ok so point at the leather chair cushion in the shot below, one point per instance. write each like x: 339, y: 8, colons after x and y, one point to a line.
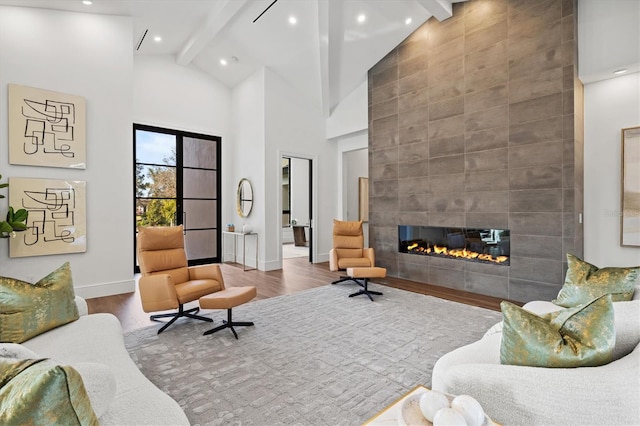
x: 351, y: 228
x: 163, y: 260
x: 355, y: 262
x: 192, y: 290
x: 228, y: 298
x: 160, y: 238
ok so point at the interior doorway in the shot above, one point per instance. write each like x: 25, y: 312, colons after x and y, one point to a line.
x: 297, y: 208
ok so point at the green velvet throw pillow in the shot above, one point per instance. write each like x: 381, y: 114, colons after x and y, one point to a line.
x: 39, y: 392
x: 585, y: 282
x: 27, y: 310
x: 583, y: 336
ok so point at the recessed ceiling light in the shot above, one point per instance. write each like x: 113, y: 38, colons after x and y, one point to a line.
x: 87, y: 2
x: 408, y: 21
x: 620, y: 71
x: 157, y: 39
x: 293, y: 20
x: 223, y: 62
x: 361, y: 18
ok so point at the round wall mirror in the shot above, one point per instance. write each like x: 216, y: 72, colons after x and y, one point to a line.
x: 245, y: 198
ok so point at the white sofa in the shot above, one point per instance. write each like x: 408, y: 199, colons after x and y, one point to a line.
x: 98, y: 338
x: 517, y: 395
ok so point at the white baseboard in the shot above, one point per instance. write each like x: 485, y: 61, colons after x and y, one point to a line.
x: 272, y: 265
x: 321, y: 258
x: 106, y: 289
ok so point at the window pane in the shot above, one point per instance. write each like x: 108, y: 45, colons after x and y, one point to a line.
x: 199, y: 153
x: 155, y: 181
x: 156, y: 212
x: 200, y: 213
x: 199, y: 183
x: 155, y: 148
x: 201, y: 244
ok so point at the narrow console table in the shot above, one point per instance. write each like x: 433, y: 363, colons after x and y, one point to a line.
x: 244, y: 236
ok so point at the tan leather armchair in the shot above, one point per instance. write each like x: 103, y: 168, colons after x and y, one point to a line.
x: 167, y: 282
x: 348, y: 249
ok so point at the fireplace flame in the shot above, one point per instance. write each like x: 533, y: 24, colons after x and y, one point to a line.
x: 458, y: 252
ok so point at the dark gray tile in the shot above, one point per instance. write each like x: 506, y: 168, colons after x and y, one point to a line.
x: 384, y: 93
x: 453, y: 48
x: 542, y: 177
x: 447, y: 277
x: 487, y: 119
x: 536, y: 200
x: 542, y: 247
x: 443, y: 89
x: 547, y: 82
x: 446, y: 108
x: 494, y: 180
x: 446, y: 219
x: 383, y: 204
x: 490, y: 269
x: 414, y: 82
x: 490, y: 285
x: 384, y: 156
x: 486, y: 139
x: 410, y: 101
x: 386, y: 124
x: 487, y: 201
x: 569, y: 224
x: 568, y: 200
x: 535, y: 109
x: 446, y: 203
x: 445, y: 184
x: 545, y: 130
x: 383, y: 188
x: 383, y: 140
x: 486, y: 77
x: 486, y: 37
x: 385, y: 171
x: 412, y: 271
x: 414, y: 64
x: 487, y: 220
x: 484, y: 58
x: 535, y: 62
x: 446, y: 146
x: 485, y: 99
x: 536, y: 223
x: 385, y: 109
x: 536, y: 154
x: 385, y: 76
x: 447, y: 164
x: 413, y: 133
x: 526, y: 291
x: 494, y: 159
x: 413, y: 152
x: 446, y: 127
x: 385, y: 219
x: 413, y: 218
x: 414, y: 185
x: 414, y: 202
x: 413, y: 169
x: 531, y: 268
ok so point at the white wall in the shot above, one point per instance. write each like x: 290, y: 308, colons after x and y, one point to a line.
x: 90, y: 56
x: 247, y: 161
x: 351, y: 115
x: 609, y: 106
x: 297, y: 129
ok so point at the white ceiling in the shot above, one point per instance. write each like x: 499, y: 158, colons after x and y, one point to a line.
x: 324, y: 56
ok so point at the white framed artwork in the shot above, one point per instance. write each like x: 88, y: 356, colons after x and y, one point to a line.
x: 57, y: 216
x: 46, y: 128
x: 630, y: 217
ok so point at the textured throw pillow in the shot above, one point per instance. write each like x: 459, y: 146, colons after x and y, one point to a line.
x: 27, y: 310
x: 585, y: 282
x: 15, y: 350
x: 39, y: 392
x: 583, y: 336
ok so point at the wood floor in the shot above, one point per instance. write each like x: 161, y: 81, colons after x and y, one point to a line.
x: 297, y: 274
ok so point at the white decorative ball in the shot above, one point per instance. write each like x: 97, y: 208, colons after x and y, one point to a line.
x: 430, y: 402
x: 470, y: 409
x: 448, y: 417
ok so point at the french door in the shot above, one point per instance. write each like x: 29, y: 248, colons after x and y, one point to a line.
x: 178, y: 182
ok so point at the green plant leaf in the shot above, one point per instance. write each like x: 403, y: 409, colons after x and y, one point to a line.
x: 20, y: 216
x: 5, y: 227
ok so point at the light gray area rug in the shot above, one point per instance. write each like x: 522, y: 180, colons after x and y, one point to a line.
x: 316, y: 357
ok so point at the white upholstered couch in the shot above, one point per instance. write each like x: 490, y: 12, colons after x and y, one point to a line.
x: 517, y: 395
x: 98, y: 338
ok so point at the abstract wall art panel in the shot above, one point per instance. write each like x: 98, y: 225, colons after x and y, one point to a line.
x: 630, y: 218
x: 46, y: 128
x: 57, y: 218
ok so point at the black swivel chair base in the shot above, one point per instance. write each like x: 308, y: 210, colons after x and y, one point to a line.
x: 346, y: 278
x: 190, y: 313
x: 366, y: 291
x: 229, y: 323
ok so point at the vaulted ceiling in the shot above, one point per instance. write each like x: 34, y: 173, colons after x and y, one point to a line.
x: 324, y: 55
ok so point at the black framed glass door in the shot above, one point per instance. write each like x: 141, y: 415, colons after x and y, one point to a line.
x: 177, y: 181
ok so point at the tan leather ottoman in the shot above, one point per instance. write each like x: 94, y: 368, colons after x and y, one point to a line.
x: 227, y: 299
x: 365, y: 274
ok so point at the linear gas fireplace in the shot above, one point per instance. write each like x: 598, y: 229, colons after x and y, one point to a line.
x: 471, y: 244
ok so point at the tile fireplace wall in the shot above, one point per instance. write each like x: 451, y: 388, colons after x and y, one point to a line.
x: 477, y: 121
